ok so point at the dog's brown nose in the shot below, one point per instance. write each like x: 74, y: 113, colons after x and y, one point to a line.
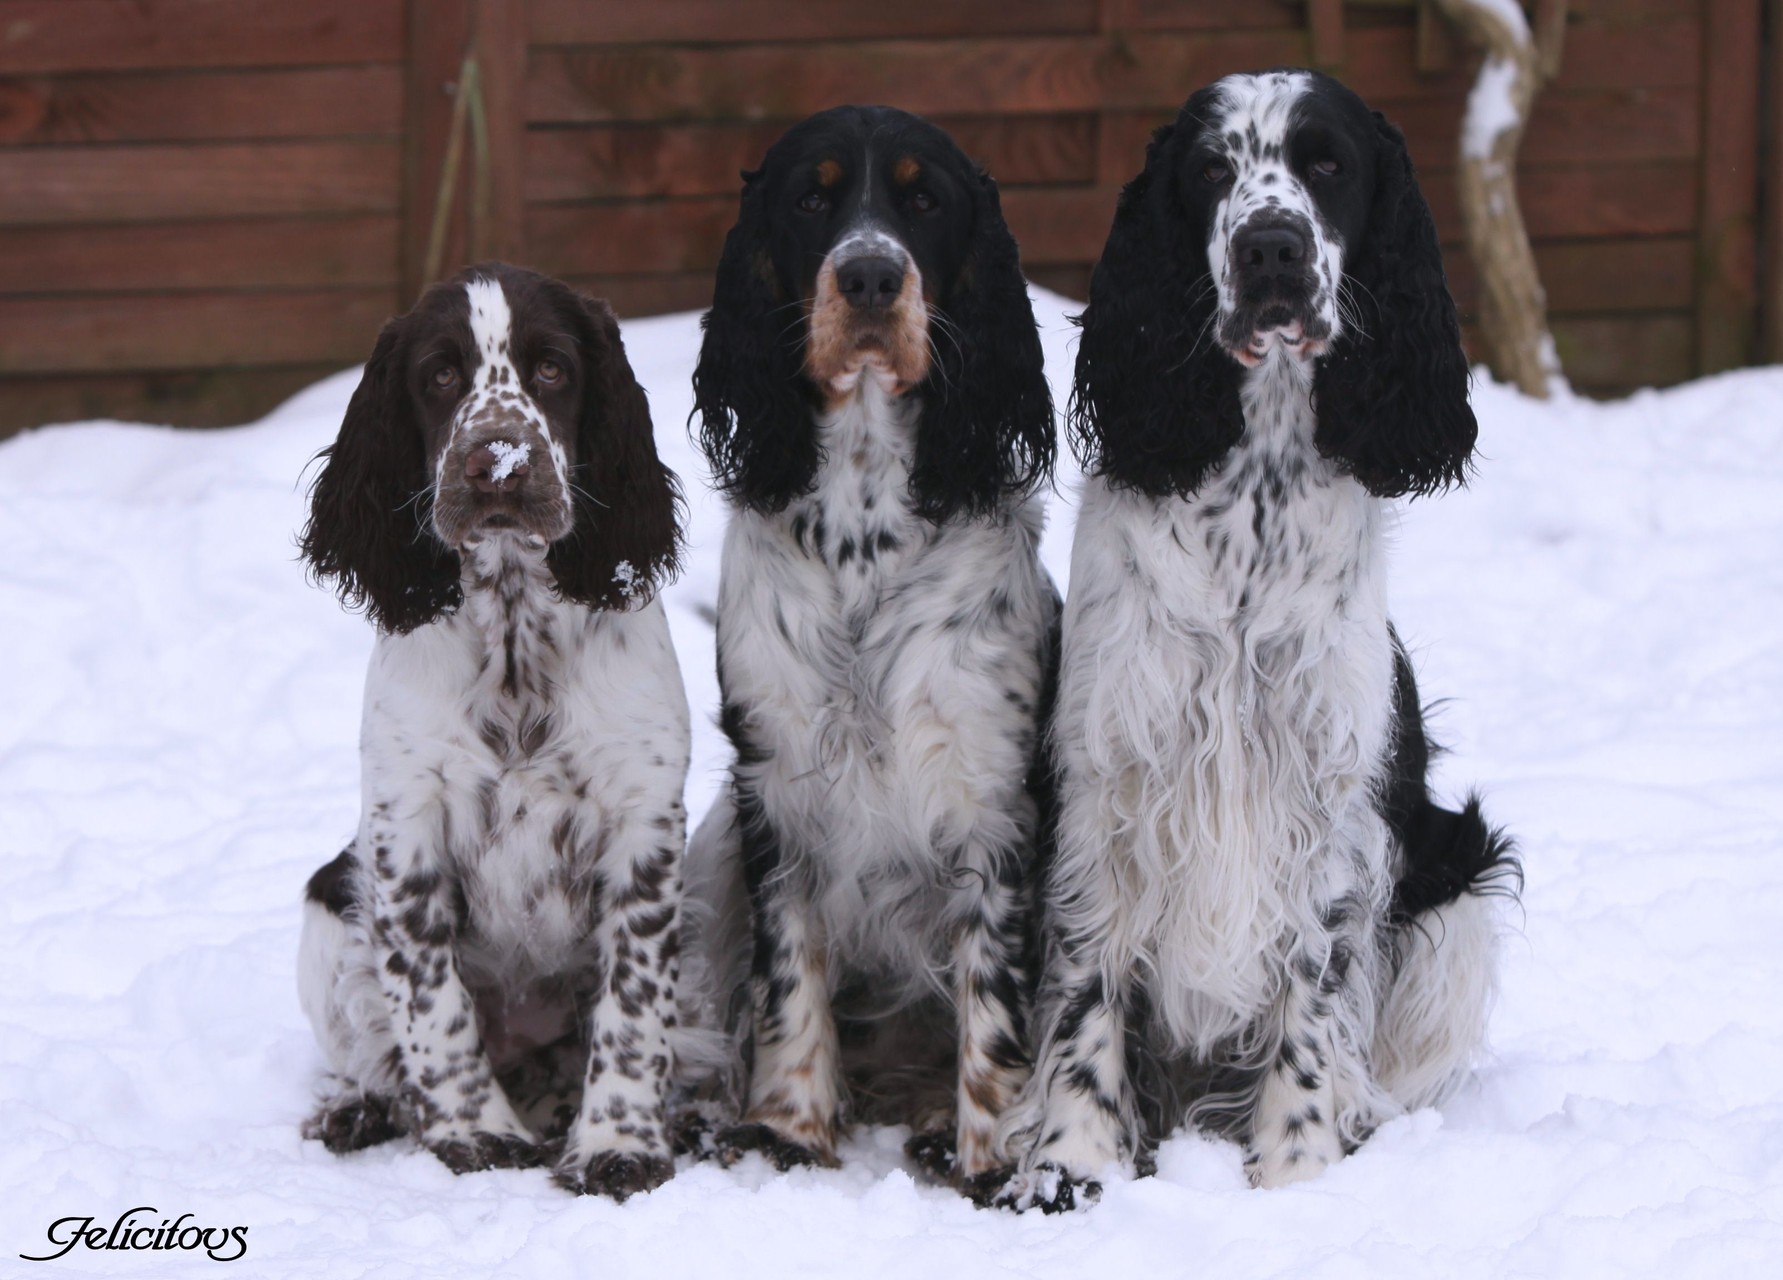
x: 497, y: 467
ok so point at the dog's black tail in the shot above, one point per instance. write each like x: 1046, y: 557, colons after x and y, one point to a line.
x: 1445, y: 854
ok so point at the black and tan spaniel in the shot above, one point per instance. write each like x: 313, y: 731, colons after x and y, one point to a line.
x: 871, y: 397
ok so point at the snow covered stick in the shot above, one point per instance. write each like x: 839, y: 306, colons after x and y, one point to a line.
x: 1513, y: 305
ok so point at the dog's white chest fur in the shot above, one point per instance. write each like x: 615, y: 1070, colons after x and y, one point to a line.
x: 523, y: 721
x: 1220, y: 706
x: 873, y: 651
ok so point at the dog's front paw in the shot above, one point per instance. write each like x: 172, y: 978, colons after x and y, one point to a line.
x: 1046, y: 1187
x: 618, y: 1175
x: 352, y: 1124
x: 473, y: 1152
x: 935, y: 1153
x: 694, y: 1129
x: 738, y: 1140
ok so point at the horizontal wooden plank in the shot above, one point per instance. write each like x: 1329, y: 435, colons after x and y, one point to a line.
x: 149, y: 183
x: 1205, y: 15
x: 1631, y: 12
x: 1616, y: 354
x: 237, y: 254
x: 1568, y: 128
x: 1608, y: 200
x: 1633, y: 57
x: 610, y: 161
x: 561, y: 22
x: 650, y: 295
x: 789, y: 81
x: 104, y: 35
x: 1021, y: 74
x: 629, y: 237
x: 107, y: 332
x: 207, y: 105
x: 1648, y: 274
x: 188, y: 398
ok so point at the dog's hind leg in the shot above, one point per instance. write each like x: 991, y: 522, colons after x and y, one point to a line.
x: 337, y: 986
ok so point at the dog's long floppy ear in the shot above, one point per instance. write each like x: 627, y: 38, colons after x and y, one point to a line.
x: 1155, y: 405
x: 752, y: 403
x: 986, y: 428
x: 1392, y: 392
x: 369, y: 531
x: 626, y: 541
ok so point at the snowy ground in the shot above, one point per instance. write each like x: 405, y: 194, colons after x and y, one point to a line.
x: 1604, y: 608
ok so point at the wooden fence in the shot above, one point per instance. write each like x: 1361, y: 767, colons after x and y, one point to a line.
x: 206, y: 204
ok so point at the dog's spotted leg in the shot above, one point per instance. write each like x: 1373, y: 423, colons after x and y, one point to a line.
x: 991, y: 982
x: 448, y: 1091
x: 795, y: 1083
x: 619, y: 1144
x: 1078, y: 1115
x: 795, y: 1087
x: 1294, y: 1123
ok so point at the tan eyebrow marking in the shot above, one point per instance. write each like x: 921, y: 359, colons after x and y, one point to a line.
x: 906, y: 171
x: 829, y: 173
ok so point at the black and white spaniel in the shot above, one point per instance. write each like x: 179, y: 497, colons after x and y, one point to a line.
x: 871, y: 397
x: 491, y: 965
x: 1257, y: 915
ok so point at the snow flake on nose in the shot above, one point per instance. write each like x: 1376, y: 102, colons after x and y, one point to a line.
x: 507, y: 458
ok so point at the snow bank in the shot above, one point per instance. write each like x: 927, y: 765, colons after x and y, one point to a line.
x: 1603, y: 609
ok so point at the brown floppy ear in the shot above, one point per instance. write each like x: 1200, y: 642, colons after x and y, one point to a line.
x: 369, y: 531
x: 626, y: 543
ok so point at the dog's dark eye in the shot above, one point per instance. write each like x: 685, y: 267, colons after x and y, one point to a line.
x: 813, y: 202
x: 445, y: 377
x: 924, y: 201
x: 548, y: 373
x: 1326, y: 168
x: 1217, y: 171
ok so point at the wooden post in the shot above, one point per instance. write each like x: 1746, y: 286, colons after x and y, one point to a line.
x: 1727, y: 279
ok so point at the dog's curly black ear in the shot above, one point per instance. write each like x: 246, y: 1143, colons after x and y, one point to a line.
x: 626, y: 542
x: 1392, y: 392
x: 1155, y: 405
x: 753, y: 406
x: 368, y: 531
x: 986, y: 431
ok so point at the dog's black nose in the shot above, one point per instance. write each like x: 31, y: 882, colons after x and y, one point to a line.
x: 871, y: 283
x: 1269, y: 252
